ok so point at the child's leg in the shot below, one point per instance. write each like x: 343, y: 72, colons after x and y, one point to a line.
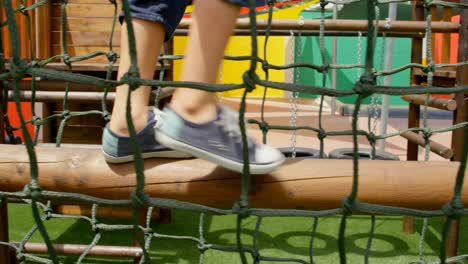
x: 149, y: 36
x: 153, y: 21
x: 194, y: 123
x: 212, y: 25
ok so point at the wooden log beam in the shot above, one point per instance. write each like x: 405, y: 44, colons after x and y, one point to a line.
x: 76, y: 249
x: 435, y: 147
x: 103, y: 211
x: 328, y: 33
x: 58, y: 96
x: 461, y: 115
x: 413, y: 109
x: 305, y: 184
x: 439, y: 103
x: 343, y: 25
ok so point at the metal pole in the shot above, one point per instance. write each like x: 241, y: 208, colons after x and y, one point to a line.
x: 5, y: 257
x: 392, y: 11
x: 334, y: 58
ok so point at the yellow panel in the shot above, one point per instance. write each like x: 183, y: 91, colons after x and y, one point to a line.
x: 232, y: 71
x: 239, y: 46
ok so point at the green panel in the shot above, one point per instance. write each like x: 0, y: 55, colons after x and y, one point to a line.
x: 348, y: 48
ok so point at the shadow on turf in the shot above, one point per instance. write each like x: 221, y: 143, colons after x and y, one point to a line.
x: 434, y: 231
x: 186, y: 224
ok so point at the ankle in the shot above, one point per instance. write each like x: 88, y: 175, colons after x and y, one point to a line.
x: 195, y: 113
x: 119, y: 125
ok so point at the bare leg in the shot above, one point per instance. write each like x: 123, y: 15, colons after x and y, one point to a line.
x: 205, y: 50
x: 149, y: 38
x: 216, y: 141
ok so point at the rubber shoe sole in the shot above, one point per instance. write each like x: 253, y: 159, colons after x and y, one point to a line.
x: 217, y: 159
x: 172, y: 154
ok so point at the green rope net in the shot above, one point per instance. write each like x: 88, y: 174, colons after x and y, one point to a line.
x: 366, y: 86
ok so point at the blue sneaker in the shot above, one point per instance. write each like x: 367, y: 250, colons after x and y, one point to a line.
x: 117, y: 149
x: 218, y: 141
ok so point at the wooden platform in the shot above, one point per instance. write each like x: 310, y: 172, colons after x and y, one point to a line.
x: 298, y: 184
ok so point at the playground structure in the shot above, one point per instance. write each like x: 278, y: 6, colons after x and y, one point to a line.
x: 84, y: 159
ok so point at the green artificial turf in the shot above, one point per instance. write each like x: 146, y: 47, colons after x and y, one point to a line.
x: 278, y: 237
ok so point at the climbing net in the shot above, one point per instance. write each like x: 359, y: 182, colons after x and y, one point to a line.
x: 366, y: 86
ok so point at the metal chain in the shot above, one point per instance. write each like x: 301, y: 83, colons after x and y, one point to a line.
x: 376, y: 99
x: 359, y: 59
x: 293, y: 100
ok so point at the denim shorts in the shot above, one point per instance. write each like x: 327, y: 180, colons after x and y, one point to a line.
x: 168, y: 12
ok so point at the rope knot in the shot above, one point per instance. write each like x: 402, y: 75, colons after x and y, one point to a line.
x: 202, y: 247
x: 8, y: 129
x: 265, y: 66
x: 427, y: 134
x: 21, y: 258
x: 67, y: 60
x: 37, y: 120
x: 250, y: 79
x: 139, y: 200
x: 112, y: 56
x: 22, y: 9
x: 427, y: 3
x: 18, y: 68
x: 241, y: 208
x: 33, y: 190
x: 132, y: 78
x: 323, y: 4
x: 271, y: 2
x: 256, y: 256
x: 264, y: 126
x: 348, y: 205
x: 94, y: 225
x: 148, y: 231
x: 65, y: 114
x: 388, y: 23
x: 106, y: 115
x: 48, y: 212
x: 322, y: 134
x: 429, y: 68
x: 372, y: 138
x: 453, y: 209
x: 365, y: 86
x: 324, y: 68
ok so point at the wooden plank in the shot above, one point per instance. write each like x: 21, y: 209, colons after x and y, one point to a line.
x: 446, y: 16
x: 85, y: 24
x: 460, y: 115
x: 32, y: 29
x: 85, y: 38
x: 433, y: 38
x: 414, y: 110
x: 43, y: 31
x: 306, y: 184
x: 84, y: 10
x: 5, y: 256
x: 416, y: 57
x: 447, y: 72
x: 439, y: 103
x: 435, y: 147
x: 76, y: 249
